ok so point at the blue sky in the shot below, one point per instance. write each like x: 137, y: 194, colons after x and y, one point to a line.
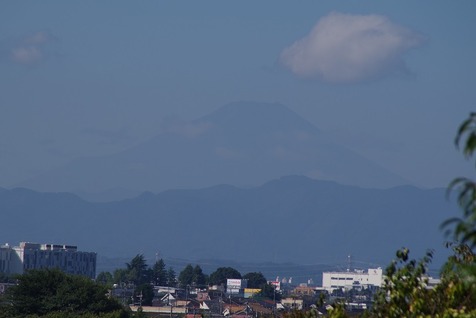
x: 390, y: 80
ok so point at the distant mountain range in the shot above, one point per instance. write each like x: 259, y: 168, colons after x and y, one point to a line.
x: 291, y: 219
x: 243, y: 144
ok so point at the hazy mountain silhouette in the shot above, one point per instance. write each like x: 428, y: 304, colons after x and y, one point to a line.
x: 243, y: 143
x: 293, y: 219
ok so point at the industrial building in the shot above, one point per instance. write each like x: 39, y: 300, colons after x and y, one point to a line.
x: 373, y: 277
x: 67, y: 258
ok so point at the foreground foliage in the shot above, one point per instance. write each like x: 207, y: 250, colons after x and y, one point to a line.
x: 406, y: 292
x: 52, y: 293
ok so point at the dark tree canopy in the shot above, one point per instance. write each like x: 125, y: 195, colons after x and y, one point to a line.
x: 464, y: 230
x: 192, y: 276
x: 4, y: 278
x: 40, y: 292
x: 137, y: 270
x: 255, y: 279
x: 159, y: 273
x: 269, y: 291
x: 186, y: 276
x: 144, y: 295
x: 120, y: 276
x: 171, y: 278
x: 105, y: 278
x: 199, y: 278
x: 220, y: 276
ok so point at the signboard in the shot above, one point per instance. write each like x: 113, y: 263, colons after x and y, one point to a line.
x: 252, y: 290
x: 233, y: 283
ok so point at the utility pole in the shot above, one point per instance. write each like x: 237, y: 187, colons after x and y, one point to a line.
x: 170, y: 304
x: 274, y: 300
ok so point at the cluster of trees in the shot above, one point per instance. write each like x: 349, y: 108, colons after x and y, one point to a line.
x: 138, y: 274
x: 141, y: 277
x: 51, y: 293
x: 4, y: 278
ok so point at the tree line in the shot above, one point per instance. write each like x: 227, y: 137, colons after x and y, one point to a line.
x: 137, y: 274
x: 52, y: 293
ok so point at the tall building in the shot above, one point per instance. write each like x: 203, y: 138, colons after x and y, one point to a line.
x: 5, y: 258
x: 67, y: 258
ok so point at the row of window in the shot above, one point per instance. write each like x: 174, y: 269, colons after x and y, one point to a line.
x: 342, y: 278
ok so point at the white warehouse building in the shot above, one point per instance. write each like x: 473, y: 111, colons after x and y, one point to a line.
x: 67, y: 258
x: 352, y: 279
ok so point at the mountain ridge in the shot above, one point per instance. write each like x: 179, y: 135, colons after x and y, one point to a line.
x: 294, y: 219
x: 242, y: 143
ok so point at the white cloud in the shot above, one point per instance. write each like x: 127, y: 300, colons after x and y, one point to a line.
x: 343, y: 48
x: 26, y: 55
x: 31, y: 49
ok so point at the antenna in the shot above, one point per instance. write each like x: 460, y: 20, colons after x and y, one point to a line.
x: 349, y: 262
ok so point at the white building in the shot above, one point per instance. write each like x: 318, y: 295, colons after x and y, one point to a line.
x: 352, y: 279
x: 18, y: 259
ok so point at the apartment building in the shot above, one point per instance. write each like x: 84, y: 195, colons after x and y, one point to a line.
x: 67, y: 258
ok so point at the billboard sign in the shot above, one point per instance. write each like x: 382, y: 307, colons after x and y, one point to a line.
x: 233, y: 283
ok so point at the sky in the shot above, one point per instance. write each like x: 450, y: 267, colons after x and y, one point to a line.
x: 391, y: 80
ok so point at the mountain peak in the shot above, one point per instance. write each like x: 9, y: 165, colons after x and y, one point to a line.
x: 258, y: 116
x: 241, y: 144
